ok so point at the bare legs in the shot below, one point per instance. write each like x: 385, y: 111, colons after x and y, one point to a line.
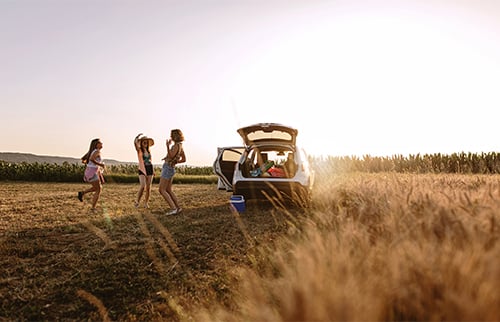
x: 169, y: 196
x: 96, y: 188
x: 145, y: 188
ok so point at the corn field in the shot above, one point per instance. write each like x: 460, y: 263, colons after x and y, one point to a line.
x: 72, y: 172
x: 460, y: 163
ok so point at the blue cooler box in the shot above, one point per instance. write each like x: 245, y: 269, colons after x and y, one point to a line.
x: 238, y: 202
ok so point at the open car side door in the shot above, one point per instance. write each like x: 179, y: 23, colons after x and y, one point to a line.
x: 224, y: 165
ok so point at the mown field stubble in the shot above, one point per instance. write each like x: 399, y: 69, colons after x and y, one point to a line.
x: 55, y: 253
x: 378, y: 247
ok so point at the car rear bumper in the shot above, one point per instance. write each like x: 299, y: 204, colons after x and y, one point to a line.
x: 265, y: 189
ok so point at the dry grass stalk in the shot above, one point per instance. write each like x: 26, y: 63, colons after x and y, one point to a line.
x: 383, y: 248
x: 164, y: 231
x: 95, y: 302
x: 150, y: 249
x: 108, y: 243
x: 242, y: 227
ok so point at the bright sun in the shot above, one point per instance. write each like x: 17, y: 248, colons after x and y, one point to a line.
x: 384, y: 84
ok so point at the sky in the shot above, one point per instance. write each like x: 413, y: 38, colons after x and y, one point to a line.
x: 377, y: 77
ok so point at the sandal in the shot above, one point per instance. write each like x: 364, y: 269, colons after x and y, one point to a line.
x: 171, y: 212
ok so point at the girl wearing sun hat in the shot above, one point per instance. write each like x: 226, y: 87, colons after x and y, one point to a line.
x: 142, y: 144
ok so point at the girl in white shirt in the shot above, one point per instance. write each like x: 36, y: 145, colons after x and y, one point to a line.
x: 93, y: 171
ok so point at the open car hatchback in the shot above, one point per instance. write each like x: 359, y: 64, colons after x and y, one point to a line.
x: 269, y: 165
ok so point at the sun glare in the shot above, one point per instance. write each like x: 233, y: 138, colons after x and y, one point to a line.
x: 344, y: 81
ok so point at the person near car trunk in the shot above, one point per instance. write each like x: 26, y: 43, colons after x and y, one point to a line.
x: 290, y: 165
x: 175, y: 155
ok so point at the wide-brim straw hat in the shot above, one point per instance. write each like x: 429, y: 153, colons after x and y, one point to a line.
x: 150, y: 140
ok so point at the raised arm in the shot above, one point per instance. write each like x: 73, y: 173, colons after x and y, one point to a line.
x: 182, y: 157
x: 171, y: 150
x: 137, y: 142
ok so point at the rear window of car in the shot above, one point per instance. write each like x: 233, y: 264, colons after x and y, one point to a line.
x: 274, y: 135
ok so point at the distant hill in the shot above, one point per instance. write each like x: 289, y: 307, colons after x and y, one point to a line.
x: 15, y: 157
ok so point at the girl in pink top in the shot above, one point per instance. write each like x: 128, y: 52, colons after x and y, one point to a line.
x: 93, y: 172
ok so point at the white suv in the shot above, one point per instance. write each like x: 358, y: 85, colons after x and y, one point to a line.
x: 269, y: 165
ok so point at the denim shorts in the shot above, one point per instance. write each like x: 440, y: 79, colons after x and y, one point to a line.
x: 167, y: 171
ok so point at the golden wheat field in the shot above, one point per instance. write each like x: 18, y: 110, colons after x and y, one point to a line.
x: 372, y: 247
